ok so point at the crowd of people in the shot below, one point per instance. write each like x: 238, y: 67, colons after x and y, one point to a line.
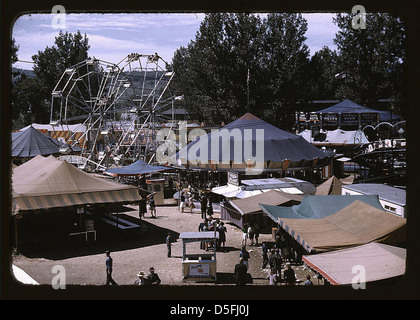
x: 276, y: 259
x: 145, y: 201
x: 211, y: 224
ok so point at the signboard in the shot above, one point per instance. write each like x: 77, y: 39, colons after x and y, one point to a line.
x: 199, y: 269
x: 330, y: 117
x: 233, y: 178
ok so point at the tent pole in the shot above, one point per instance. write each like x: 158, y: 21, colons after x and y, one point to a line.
x: 16, y: 234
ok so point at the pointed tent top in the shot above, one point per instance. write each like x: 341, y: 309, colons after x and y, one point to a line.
x: 249, y: 116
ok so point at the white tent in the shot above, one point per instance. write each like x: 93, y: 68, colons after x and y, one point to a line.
x: 335, y: 137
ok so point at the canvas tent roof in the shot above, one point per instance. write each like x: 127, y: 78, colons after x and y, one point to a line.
x: 318, y: 206
x: 31, y: 142
x: 335, y: 137
x: 330, y: 187
x: 380, y: 261
x: 348, y: 106
x: 272, y: 197
x: 219, y: 150
x: 60, y: 127
x: 44, y: 183
x: 356, y: 224
x: 136, y: 168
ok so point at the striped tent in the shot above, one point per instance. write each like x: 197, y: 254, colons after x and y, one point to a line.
x: 45, y: 183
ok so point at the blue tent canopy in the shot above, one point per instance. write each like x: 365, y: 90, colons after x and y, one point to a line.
x: 282, y: 149
x: 348, y: 106
x: 318, y: 206
x: 31, y: 142
x: 137, y: 168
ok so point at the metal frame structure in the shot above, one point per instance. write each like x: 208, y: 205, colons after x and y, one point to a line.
x: 120, y: 105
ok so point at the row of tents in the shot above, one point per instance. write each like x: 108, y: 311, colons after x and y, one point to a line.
x: 230, y: 148
x: 335, y: 231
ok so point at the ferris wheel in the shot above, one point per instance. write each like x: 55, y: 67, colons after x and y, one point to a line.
x: 120, y: 105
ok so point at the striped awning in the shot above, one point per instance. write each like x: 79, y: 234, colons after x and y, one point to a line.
x: 46, y: 183
x: 77, y: 199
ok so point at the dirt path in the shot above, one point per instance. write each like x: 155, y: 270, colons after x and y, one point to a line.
x: 85, y: 265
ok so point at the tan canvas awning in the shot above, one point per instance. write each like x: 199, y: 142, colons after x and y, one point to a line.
x: 44, y: 183
x: 356, y: 224
x: 272, y: 197
x: 380, y: 261
x: 330, y: 187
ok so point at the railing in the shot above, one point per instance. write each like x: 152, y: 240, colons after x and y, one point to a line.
x: 81, y: 162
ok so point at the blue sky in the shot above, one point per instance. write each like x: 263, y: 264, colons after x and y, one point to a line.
x: 113, y: 36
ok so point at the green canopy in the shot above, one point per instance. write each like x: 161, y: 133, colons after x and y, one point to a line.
x: 317, y: 206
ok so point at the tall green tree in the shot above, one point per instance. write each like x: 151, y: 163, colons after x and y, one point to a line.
x: 373, y: 59
x: 243, y: 62
x: 286, y: 59
x: 322, y: 69
x: 32, y: 96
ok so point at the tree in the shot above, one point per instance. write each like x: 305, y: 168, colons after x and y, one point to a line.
x: 286, y: 59
x: 242, y: 62
x: 322, y: 69
x: 34, y: 94
x: 373, y: 59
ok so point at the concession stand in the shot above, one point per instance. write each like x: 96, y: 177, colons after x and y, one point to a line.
x: 200, y: 267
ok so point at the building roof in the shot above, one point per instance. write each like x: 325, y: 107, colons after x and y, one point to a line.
x: 385, y: 192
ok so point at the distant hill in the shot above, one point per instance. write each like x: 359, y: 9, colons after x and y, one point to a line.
x: 28, y: 73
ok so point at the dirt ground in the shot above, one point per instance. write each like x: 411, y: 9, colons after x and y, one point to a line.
x: 84, y: 263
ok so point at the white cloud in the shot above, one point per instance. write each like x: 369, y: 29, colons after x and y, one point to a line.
x: 113, y: 36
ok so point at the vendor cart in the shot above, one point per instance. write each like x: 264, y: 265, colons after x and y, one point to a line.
x: 199, y: 267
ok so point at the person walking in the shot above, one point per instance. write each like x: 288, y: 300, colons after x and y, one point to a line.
x: 244, y: 234
x: 169, y: 244
x: 209, y: 206
x: 153, y: 277
x: 256, y: 233
x: 182, y: 204
x: 275, y: 261
x: 289, y: 275
x: 142, y: 207
x: 264, y: 250
x: 251, y: 233
x: 240, y: 273
x: 203, y: 203
x: 152, y: 205
x: 244, y: 255
x: 203, y: 226
x: 272, y: 277
x: 222, y: 235
x: 108, y: 264
x: 191, y: 203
